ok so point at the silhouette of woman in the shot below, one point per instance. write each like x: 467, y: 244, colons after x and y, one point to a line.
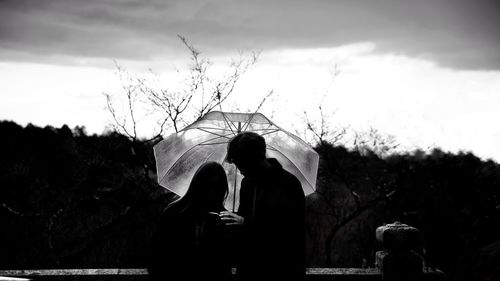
x: 189, y: 243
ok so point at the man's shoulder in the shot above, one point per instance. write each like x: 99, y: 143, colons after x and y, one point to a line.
x: 289, y: 187
x: 288, y: 181
x: 283, y: 174
x: 289, y: 177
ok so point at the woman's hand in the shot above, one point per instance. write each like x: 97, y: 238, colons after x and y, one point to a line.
x: 230, y: 218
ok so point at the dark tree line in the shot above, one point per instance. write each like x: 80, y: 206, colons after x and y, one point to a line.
x: 69, y: 199
x: 454, y: 199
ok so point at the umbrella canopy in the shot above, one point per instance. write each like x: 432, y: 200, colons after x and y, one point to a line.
x: 180, y: 154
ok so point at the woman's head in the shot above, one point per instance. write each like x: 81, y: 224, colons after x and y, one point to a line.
x: 208, y: 189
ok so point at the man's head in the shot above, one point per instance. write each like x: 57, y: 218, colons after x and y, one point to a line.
x: 246, y: 150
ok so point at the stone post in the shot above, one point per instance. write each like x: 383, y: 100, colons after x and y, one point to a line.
x: 400, y: 258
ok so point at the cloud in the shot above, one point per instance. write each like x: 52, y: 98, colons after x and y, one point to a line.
x: 458, y: 34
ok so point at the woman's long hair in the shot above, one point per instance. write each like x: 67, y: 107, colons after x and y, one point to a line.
x: 210, y: 176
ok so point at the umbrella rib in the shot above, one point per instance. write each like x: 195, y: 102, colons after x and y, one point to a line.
x: 269, y: 128
x: 209, y: 140
x: 245, y: 126
x: 213, y: 143
x: 265, y: 129
x: 227, y: 122
x: 208, y: 157
x: 219, y: 135
x: 270, y: 132
x: 292, y: 164
x: 211, y: 128
x: 271, y: 125
x: 176, y: 161
x: 271, y: 148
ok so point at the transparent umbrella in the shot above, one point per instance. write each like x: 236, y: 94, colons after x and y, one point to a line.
x: 180, y: 154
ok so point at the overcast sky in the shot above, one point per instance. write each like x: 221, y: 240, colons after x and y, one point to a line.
x: 426, y: 71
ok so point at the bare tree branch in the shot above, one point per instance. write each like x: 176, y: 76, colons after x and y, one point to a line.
x: 18, y: 213
x: 264, y: 100
x: 356, y: 213
x: 177, y: 107
x: 324, y: 133
x: 374, y: 141
x: 120, y: 124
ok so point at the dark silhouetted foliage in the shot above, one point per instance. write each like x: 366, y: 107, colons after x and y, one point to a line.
x: 73, y: 200
x: 454, y: 199
x: 68, y: 199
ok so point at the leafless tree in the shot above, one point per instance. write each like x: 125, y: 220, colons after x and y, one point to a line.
x: 374, y: 141
x: 318, y: 123
x: 125, y: 119
x: 202, y: 93
x: 370, y: 141
x: 322, y: 131
x: 326, y: 136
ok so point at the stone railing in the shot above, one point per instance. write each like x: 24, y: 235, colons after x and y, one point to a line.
x: 139, y: 274
x: 400, y: 259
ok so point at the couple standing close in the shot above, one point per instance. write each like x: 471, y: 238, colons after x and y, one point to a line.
x: 197, y: 239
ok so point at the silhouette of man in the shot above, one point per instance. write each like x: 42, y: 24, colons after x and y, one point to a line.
x: 271, y: 213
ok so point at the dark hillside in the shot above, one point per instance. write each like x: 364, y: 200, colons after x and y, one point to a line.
x: 72, y: 200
